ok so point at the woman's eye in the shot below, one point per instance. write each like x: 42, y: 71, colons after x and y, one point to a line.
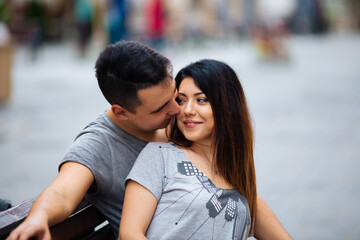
x: 180, y: 100
x: 203, y: 100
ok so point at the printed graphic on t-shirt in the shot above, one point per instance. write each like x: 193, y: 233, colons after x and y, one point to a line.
x: 222, y: 199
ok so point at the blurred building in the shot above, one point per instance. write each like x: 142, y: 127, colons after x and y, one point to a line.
x: 35, y: 21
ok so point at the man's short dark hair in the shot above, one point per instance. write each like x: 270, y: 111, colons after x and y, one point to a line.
x: 125, y: 67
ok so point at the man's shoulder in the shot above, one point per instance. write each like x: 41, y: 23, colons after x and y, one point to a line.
x: 101, y: 126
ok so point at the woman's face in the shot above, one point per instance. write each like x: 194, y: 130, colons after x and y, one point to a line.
x: 195, y: 120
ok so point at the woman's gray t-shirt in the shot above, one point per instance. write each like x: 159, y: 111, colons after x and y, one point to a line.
x: 189, y: 206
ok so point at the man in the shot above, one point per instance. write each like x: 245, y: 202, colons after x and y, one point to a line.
x: 137, y: 82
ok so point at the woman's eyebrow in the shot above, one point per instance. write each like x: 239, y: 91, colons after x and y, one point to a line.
x: 195, y: 94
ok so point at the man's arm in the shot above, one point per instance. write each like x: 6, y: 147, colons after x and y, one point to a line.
x: 267, y: 226
x: 56, y: 202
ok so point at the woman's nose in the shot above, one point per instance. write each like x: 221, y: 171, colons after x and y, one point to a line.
x: 189, y: 108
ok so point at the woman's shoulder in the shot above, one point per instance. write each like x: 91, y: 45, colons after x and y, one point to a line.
x: 165, y: 145
x: 157, y: 149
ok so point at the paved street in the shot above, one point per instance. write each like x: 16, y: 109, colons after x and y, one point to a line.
x: 306, y: 115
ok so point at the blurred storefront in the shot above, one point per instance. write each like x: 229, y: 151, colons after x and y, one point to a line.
x: 35, y: 21
x: 31, y: 23
x: 5, y: 70
x: 5, y: 54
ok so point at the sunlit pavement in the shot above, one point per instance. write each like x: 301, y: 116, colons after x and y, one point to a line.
x: 306, y: 115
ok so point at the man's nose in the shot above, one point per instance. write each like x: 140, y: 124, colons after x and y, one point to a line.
x: 174, y: 108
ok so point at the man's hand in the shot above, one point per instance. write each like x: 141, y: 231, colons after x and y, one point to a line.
x: 55, y: 203
x: 35, y: 227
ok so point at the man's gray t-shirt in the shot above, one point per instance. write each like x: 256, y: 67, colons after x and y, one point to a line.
x: 189, y: 206
x: 109, y: 152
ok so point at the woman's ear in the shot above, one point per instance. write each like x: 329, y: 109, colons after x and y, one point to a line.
x: 119, y: 112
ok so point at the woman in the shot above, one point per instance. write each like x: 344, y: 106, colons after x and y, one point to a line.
x: 202, y: 185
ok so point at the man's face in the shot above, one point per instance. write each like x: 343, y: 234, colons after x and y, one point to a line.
x: 157, y: 108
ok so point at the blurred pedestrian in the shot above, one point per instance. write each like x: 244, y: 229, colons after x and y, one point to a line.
x: 83, y: 19
x: 155, y: 23
x: 309, y: 17
x: 99, y: 32
x: 36, y: 16
x: 271, y: 40
x: 117, y: 20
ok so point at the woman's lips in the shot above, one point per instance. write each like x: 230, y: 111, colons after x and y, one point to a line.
x: 191, y: 124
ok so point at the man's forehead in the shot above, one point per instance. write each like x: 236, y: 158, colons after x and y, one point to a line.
x: 168, y: 81
x: 171, y: 84
x: 158, y: 95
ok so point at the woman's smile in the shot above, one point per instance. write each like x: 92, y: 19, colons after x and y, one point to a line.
x: 191, y: 123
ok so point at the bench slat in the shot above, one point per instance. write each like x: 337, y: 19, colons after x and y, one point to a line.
x: 80, y: 225
x: 104, y: 233
x: 12, y: 217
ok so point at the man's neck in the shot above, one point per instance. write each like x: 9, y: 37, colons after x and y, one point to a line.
x: 148, y: 136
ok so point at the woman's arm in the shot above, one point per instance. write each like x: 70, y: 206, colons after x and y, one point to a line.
x: 267, y: 226
x: 138, y: 210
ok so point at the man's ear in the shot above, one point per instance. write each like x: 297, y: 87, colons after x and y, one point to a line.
x: 119, y: 112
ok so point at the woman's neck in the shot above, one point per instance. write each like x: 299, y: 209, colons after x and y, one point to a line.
x: 204, y: 150
x: 201, y: 155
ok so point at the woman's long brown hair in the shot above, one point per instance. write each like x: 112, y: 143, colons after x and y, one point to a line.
x: 233, y: 134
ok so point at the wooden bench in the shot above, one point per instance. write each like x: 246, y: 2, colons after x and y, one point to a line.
x: 86, y: 222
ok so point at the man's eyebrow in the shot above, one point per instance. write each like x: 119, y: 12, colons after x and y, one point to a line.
x: 159, y: 108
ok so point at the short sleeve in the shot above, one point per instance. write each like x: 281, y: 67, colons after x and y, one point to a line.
x: 149, y: 169
x: 89, y: 150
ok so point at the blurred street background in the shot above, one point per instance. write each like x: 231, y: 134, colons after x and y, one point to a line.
x: 298, y: 60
